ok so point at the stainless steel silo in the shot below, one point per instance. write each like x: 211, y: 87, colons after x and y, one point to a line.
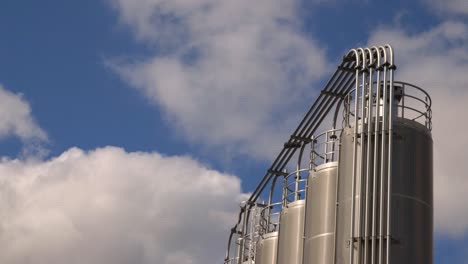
x: 393, y: 193
x: 412, y: 206
x: 267, y: 248
x: 369, y: 197
x: 320, y: 214
x: 291, y: 231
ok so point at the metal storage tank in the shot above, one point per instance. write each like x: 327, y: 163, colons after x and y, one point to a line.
x: 267, y: 248
x: 375, y: 204
x: 320, y: 214
x: 290, y: 244
x: 412, y: 196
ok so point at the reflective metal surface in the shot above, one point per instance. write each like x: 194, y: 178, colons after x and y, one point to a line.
x: 411, y: 210
x: 267, y: 248
x: 291, y: 233
x: 320, y: 215
x: 374, y: 204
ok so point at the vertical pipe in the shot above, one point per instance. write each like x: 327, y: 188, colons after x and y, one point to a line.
x: 383, y: 158
x: 390, y: 146
x: 312, y: 155
x: 325, y: 146
x: 298, y: 174
x: 368, y: 155
x: 353, y: 180
x: 234, y: 231
x: 251, y: 234
x: 284, y: 195
x: 403, y: 101
x: 376, y: 160
x: 361, y: 155
x: 238, y: 259
x: 270, y: 201
x: 428, y: 113
x: 336, y: 211
x: 240, y: 255
x: 348, y: 114
x: 335, y: 118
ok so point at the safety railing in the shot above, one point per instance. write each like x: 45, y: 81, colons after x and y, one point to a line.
x: 269, y: 218
x: 295, y: 185
x: 232, y: 261
x: 410, y: 102
x: 325, y: 147
x: 415, y: 104
x: 245, y: 237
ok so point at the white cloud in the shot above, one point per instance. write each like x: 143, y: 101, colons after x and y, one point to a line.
x: 232, y: 74
x: 458, y: 7
x: 437, y: 61
x: 16, y: 118
x: 111, y: 206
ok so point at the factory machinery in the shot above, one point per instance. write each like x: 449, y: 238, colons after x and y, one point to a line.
x: 353, y: 184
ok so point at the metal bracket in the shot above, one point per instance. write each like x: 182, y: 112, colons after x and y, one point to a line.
x: 292, y: 145
x: 345, y: 69
x: 303, y: 139
x: 278, y: 173
x: 339, y: 95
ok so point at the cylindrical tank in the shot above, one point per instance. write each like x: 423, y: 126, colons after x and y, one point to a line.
x: 267, y: 248
x: 320, y: 214
x: 412, y: 196
x: 291, y: 232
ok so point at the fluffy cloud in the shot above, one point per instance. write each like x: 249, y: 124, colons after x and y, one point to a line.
x: 227, y: 73
x: 16, y: 118
x: 111, y: 206
x: 437, y: 61
x: 459, y: 7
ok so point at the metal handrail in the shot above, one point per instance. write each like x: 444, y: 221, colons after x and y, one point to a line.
x: 325, y: 148
x: 411, y: 106
x: 295, y: 191
x: 269, y: 218
x: 231, y: 261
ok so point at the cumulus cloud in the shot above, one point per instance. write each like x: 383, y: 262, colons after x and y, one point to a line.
x: 111, y: 206
x: 234, y: 74
x: 16, y: 118
x: 458, y: 7
x: 437, y: 61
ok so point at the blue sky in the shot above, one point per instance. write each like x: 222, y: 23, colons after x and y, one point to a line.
x: 215, y: 85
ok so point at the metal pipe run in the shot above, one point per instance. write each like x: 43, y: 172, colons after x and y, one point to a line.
x: 390, y: 152
x: 362, y: 135
x: 376, y: 160
x: 234, y: 231
x: 356, y: 169
x: 330, y: 90
x: 383, y: 157
x: 353, y: 184
x: 240, y: 256
x: 368, y: 155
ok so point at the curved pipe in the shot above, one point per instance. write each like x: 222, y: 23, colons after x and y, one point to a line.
x: 390, y: 152
x: 383, y: 154
x: 234, y: 230
x: 244, y: 234
x: 376, y: 160
x: 361, y: 153
x: 306, y: 126
x: 374, y: 250
x: 368, y: 155
x: 353, y: 179
x: 354, y: 52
